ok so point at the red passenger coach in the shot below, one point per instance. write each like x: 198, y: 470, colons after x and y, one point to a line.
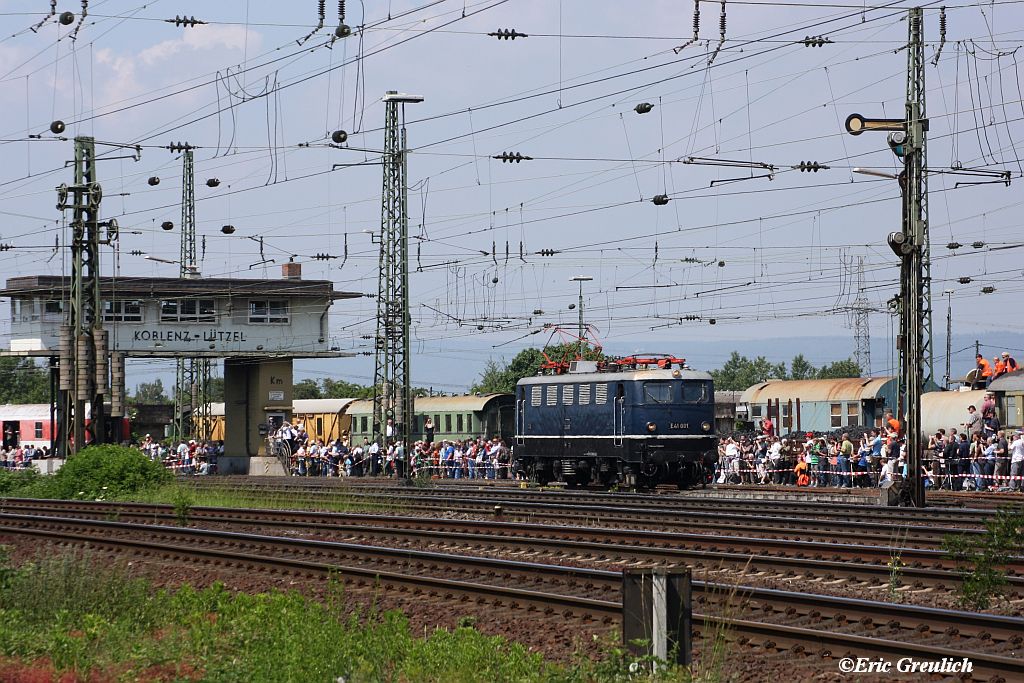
x: 31, y: 424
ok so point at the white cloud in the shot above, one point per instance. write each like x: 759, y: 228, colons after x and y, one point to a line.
x: 206, y: 37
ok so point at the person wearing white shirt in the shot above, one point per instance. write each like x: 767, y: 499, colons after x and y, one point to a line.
x: 1017, y: 462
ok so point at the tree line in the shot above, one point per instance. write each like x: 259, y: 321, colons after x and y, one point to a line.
x: 23, y: 381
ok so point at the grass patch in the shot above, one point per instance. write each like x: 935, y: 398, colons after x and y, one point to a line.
x: 66, y: 615
x: 981, y: 561
x: 185, y: 497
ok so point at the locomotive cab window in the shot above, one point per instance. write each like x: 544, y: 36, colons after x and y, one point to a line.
x: 695, y: 392
x: 657, y: 392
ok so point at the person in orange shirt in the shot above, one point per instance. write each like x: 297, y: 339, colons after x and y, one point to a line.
x: 1011, y: 362
x: 890, y: 422
x: 983, y: 374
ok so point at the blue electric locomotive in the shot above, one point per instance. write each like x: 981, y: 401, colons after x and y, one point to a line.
x: 636, y: 422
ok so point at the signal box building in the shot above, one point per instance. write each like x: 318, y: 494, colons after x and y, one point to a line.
x: 257, y: 326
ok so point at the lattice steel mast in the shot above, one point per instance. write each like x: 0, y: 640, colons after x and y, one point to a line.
x: 84, y: 378
x: 916, y: 350
x: 861, y: 324
x: 392, y: 391
x: 193, y: 374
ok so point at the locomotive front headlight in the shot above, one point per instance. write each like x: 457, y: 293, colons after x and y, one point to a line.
x: 651, y: 427
x: 706, y: 426
x: 677, y: 374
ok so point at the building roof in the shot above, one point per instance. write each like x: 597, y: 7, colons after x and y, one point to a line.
x: 40, y: 412
x: 442, y: 404
x: 1011, y: 381
x: 810, y: 390
x: 302, y: 405
x: 321, y: 405
x: 161, y: 287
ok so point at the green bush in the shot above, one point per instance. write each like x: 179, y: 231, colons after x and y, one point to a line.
x: 104, y: 472
x: 12, y: 482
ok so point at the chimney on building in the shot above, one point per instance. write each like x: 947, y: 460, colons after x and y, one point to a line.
x: 291, y: 270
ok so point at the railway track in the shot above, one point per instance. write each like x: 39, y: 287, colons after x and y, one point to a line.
x: 674, y: 503
x: 813, y: 564
x: 822, y: 626
x: 794, y: 524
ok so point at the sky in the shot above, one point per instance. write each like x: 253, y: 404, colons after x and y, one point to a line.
x: 769, y: 253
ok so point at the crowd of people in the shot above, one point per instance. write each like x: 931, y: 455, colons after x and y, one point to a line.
x: 21, y: 457
x: 986, y: 372
x: 184, y: 456
x: 976, y: 455
x: 477, y: 458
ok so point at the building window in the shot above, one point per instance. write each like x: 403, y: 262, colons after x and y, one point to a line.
x: 785, y: 409
x: 268, y: 312
x: 53, y: 307
x: 188, y: 311
x: 584, y: 394
x: 437, y: 422
x: 39, y: 430
x: 600, y: 393
x: 469, y: 422
x: 853, y: 414
x: 458, y: 423
x: 552, y: 394
x: 535, y: 398
x: 755, y: 411
x: 448, y: 423
x: 657, y: 392
x: 568, y: 394
x: 836, y: 410
x: 122, y: 311
x: 363, y: 424
x: 319, y: 426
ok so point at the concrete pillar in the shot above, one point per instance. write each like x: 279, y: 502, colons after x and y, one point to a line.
x: 657, y: 612
x: 254, y: 390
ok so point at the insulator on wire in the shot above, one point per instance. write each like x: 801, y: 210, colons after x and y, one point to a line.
x: 67, y: 18
x: 57, y: 127
x: 816, y: 41
x: 964, y: 280
x: 811, y: 166
x: 321, y: 15
x: 212, y: 182
x: 507, y: 34
x: 167, y: 225
x: 548, y: 252
x: 343, y: 30
x: 643, y: 108
x: 942, y: 36
x: 954, y: 245
x: 509, y: 157
x: 988, y: 289
x: 187, y: 22
x: 696, y: 29
x: 153, y: 181
x: 660, y: 199
x: 721, y: 35
x: 179, y: 146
